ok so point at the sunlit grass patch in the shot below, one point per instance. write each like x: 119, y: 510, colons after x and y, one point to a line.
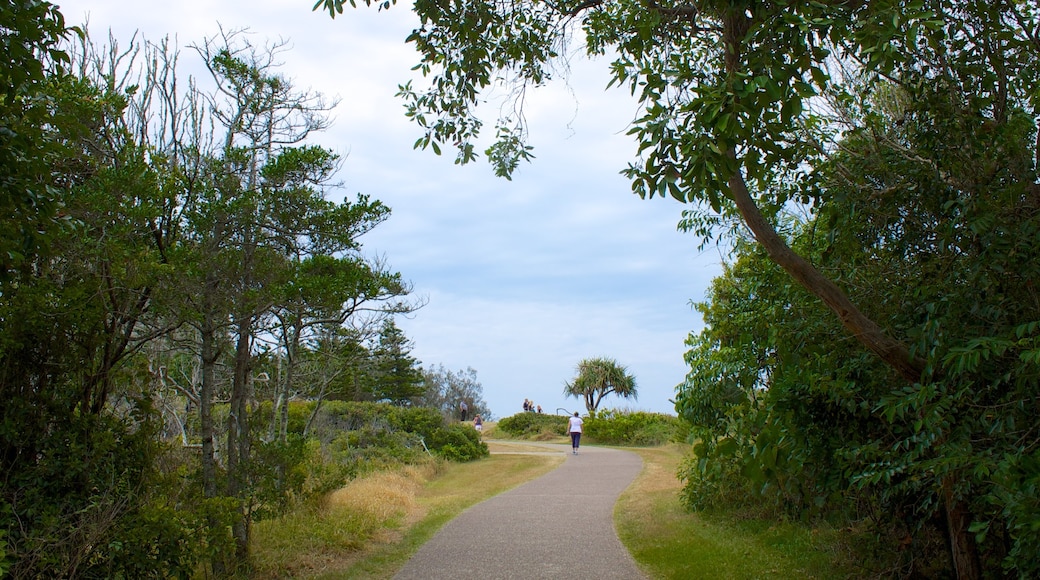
x: 386, y: 496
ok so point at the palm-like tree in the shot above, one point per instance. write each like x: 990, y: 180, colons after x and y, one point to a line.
x: 599, y: 377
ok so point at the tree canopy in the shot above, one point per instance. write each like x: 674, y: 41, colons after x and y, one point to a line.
x: 599, y: 377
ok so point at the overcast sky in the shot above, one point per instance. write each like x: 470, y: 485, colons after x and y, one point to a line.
x: 523, y: 278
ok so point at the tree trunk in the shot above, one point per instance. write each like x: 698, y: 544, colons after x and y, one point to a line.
x: 291, y: 350
x: 210, y: 352
x: 964, y: 554
x: 866, y: 331
x: 238, y: 443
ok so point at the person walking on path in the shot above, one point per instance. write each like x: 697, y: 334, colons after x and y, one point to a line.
x: 574, y: 428
x: 463, y: 409
x: 478, y: 423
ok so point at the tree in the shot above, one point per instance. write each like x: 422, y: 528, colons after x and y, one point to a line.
x: 445, y: 389
x: 79, y: 438
x: 599, y: 377
x: 284, y: 258
x: 325, y: 293
x: 730, y: 92
x: 396, y: 375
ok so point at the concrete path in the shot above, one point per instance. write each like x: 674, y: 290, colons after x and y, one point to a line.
x: 557, y: 526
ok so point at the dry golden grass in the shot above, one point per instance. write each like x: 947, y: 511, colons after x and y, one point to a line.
x: 336, y: 534
x: 385, y: 495
x: 370, y: 527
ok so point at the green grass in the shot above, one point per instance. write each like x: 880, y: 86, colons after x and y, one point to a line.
x: 669, y: 542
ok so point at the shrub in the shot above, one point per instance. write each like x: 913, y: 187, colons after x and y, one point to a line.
x: 369, y: 448
x: 90, y: 503
x: 374, y: 435
x: 639, y: 428
x: 534, y: 425
x: 419, y: 420
x: 458, y: 442
x: 713, y: 478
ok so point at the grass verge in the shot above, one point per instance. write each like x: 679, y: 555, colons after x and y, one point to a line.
x: 669, y: 542
x: 369, y: 529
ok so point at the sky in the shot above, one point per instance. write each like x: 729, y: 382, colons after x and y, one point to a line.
x: 522, y: 279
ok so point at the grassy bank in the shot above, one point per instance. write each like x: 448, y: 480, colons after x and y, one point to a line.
x: 669, y: 542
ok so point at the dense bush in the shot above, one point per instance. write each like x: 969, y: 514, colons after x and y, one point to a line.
x: 368, y: 449
x: 616, y: 427
x: 458, y: 442
x: 90, y: 504
x: 534, y: 425
x: 379, y: 434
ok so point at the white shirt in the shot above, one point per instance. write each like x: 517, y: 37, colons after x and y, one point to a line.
x: 574, y: 425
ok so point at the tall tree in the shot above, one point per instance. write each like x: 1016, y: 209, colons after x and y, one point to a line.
x: 327, y: 293
x: 396, y: 376
x: 74, y: 314
x: 268, y: 211
x: 598, y: 378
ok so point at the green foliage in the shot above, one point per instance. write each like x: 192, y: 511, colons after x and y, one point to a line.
x: 284, y: 473
x: 5, y: 561
x: 909, y: 145
x: 157, y: 542
x: 397, y: 377
x: 458, y: 442
x: 599, y: 377
x: 533, y: 425
x: 116, y: 228
x: 369, y: 435
x: 29, y: 193
x: 786, y: 420
x: 368, y: 449
x: 90, y: 504
x: 421, y: 420
x: 639, y: 428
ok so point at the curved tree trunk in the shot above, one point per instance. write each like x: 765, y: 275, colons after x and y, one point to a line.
x: 893, y: 352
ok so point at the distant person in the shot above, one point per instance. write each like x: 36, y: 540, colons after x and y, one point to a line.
x: 574, y: 428
x: 539, y: 408
x: 463, y: 409
x: 527, y: 405
x: 478, y: 423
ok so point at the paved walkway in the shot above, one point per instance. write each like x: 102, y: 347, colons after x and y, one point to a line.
x: 557, y: 526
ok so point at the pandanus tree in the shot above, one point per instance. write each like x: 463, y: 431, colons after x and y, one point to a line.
x: 599, y: 377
